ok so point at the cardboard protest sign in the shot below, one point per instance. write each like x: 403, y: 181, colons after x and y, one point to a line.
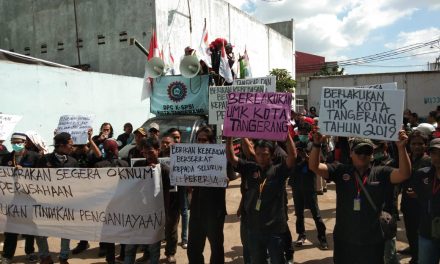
x: 198, y: 165
x: 177, y: 95
x: 218, y: 99
x: 77, y: 126
x: 83, y: 203
x: 7, y: 124
x: 269, y: 81
x: 258, y: 115
x: 358, y: 112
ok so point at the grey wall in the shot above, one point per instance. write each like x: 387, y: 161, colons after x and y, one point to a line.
x: 32, y: 23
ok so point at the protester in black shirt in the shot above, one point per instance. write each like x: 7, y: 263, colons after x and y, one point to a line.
x: 381, y: 157
x: 208, y: 211
x: 264, y: 201
x: 59, y: 158
x: 409, y: 205
x: 303, y: 182
x: 18, y: 158
x: 136, y: 152
x: 110, y: 161
x: 426, y: 185
x: 357, y: 234
x: 151, y: 149
x: 126, y: 137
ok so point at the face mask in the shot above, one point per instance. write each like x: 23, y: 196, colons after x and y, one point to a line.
x: 303, y: 138
x: 18, y: 147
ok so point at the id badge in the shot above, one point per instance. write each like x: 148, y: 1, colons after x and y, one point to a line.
x: 357, y: 204
x: 257, y: 206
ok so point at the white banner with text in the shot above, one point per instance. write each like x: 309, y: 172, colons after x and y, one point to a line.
x: 107, y: 204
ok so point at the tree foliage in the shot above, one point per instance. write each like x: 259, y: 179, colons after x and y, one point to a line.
x: 328, y: 71
x: 285, y: 83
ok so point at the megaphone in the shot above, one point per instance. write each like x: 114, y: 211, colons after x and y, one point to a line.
x: 189, y: 66
x: 155, y: 67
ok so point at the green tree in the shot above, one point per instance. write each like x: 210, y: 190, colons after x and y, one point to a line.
x: 329, y: 69
x: 285, y: 83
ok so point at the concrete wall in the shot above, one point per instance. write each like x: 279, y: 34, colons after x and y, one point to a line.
x: 42, y: 94
x: 266, y: 47
x: 422, y: 88
x: 32, y: 23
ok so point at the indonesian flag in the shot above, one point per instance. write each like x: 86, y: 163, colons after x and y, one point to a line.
x: 154, y: 47
x: 245, y: 67
x: 225, y: 69
x: 203, y: 50
x: 153, y: 51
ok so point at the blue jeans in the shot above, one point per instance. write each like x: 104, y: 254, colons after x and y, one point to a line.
x: 184, y: 212
x: 262, y: 244
x: 153, y: 249
x: 390, y: 254
x: 429, y: 251
x: 43, y: 247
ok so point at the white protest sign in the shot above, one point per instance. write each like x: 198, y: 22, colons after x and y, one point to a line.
x: 269, y: 81
x: 115, y: 205
x: 218, y: 99
x: 358, y: 112
x: 198, y: 165
x: 77, y: 126
x: 7, y: 124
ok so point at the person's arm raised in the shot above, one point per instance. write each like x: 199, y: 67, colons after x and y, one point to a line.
x: 248, y: 148
x: 404, y: 170
x: 230, y: 155
x: 291, y: 152
x: 318, y: 168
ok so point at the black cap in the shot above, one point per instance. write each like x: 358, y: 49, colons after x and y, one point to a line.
x: 61, y: 139
x: 358, y: 143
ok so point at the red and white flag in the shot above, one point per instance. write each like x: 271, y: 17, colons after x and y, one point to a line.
x: 225, y: 69
x: 154, y: 47
x: 153, y: 51
x: 203, y: 50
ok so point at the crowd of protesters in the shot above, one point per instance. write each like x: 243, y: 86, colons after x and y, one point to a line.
x: 369, y: 176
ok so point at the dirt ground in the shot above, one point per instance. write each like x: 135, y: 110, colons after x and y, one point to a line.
x: 308, y: 254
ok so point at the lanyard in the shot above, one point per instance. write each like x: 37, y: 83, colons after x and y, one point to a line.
x: 262, y: 187
x: 364, y: 181
x: 435, y: 188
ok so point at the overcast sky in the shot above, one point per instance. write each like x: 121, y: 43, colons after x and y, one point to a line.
x: 346, y: 29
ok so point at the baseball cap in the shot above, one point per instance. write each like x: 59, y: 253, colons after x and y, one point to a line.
x: 20, y: 136
x: 435, y: 143
x: 141, y: 131
x: 361, y: 143
x: 152, y: 126
x: 425, y: 128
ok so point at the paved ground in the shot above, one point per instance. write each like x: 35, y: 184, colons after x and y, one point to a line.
x: 309, y: 254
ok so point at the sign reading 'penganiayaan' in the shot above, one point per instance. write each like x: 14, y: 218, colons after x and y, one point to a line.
x: 83, y: 203
x: 198, y: 165
x: 367, y: 113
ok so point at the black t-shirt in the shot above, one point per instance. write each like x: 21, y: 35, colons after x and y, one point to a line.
x: 408, y: 203
x: 271, y: 216
x: 28, y: 160
x: 359, y: 227
x: 303, y: 179
x: 422, y: 183
x: 51, y: 161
